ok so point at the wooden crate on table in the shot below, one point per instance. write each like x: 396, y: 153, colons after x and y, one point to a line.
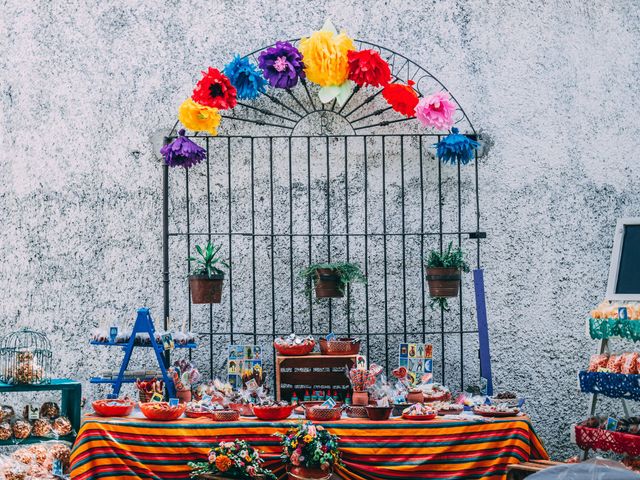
x: 288, y: 371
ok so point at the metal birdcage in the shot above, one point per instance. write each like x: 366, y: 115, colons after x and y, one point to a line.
x: 25, y: 358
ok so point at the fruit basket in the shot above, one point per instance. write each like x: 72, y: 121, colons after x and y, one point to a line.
x: 162, y: 410
x: 321, y: 414
x: 340, y: 346
x: 118, y: 407
x: 274, y: 412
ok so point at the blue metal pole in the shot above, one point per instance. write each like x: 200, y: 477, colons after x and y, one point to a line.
x: 483, y: 329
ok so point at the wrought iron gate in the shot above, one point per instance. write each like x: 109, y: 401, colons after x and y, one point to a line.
x: 334, y: 187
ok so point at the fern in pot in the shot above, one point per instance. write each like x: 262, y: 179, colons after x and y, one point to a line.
x: 331, y: 279
x: 208, y: 276
x: 444, y: 273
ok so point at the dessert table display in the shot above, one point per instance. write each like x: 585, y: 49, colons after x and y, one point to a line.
x: 461, y: 447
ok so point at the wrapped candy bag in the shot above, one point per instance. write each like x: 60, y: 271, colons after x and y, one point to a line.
x: 629, y: 363
x: 596, y: 362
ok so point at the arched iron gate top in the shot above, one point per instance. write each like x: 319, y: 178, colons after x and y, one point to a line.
x: 282, y: 110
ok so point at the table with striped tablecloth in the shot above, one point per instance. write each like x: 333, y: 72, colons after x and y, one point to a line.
x: 114, y: 448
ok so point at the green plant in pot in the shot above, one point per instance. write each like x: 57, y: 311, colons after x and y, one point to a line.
x: 207, y: 277
x: 443, y: 274
x: 331, y: 279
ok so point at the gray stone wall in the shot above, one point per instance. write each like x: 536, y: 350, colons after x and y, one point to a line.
x: 86, y: 86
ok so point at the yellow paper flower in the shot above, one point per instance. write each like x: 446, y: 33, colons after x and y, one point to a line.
x: 198, y: 117
x: 325, y: 56
x: 308, y: 438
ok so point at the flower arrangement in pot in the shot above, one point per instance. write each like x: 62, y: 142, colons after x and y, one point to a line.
x: 331, y: 279
x: 206, y: 280
x: 184, y: 375
x: 310, y: 452
x: 443, y: 274
x: 232, y: 460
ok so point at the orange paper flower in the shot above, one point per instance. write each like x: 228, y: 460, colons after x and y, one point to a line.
x: 223, y: 463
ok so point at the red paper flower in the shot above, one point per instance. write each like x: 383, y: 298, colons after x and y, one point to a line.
x: 402, y: 98
x: 367, y: 67
x: 215, y: 90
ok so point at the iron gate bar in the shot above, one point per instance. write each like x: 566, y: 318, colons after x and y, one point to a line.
x: 346, y: 217
x: 309, y: 220
x: 230, y: 242
x: 384, y: 252
x: 291, y: 237
x: 273, y: 280
x: 187, y: 201
x: 209, y: 239
x: 404, y: 259
x: 253, y: 243
x: 366, y: 237
x: 338, y: 333
x: 371, y: 234
x: 329, y: 227
x: 421, y: 267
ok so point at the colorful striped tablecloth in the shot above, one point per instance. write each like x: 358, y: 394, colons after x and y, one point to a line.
x: 115, y: 448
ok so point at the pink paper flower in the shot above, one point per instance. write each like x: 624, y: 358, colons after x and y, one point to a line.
x: 311, y: 430
x: 251, y: 471
x: 436, y: 111
x: 212, y: 457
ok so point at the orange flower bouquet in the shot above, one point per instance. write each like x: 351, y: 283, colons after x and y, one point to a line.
x: 232, y: 460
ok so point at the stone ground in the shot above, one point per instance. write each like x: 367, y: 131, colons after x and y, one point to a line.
x: 86, y: 86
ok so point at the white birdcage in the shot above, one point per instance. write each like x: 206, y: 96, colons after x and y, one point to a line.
x: 25, y: 357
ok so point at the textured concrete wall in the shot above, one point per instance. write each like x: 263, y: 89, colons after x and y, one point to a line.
x: 85, y: 85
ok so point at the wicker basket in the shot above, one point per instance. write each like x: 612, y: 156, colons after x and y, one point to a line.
x: 224, y: 415
x: 357, y: 411
x: 340, y: 346
x: 323, y: 414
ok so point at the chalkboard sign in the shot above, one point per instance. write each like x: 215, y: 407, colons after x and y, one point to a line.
x: 624, y: 272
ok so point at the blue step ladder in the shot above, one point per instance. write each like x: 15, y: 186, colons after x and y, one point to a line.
x: 143, y: 324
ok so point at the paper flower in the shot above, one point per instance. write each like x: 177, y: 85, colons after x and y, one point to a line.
x: 436, y: 111
x: 402, y: 98
x: 182, y: 152
x: 282, y: 65
x: 215, y: 90
x: 325, y: 56
x: 456, y: 147
x: 245, y: 77
x: 198, y: 117
x: 367, y: 67
x: 338, y: 92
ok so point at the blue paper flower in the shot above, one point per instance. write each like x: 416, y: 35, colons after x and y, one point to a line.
x: 246, y: 77
x: 182, y: 152
x: 456, y: 147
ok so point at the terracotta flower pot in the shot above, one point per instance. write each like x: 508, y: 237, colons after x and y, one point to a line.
x: 360, y: 398
x: 327, y: 283
x: 183, y: 395
x: 415, y: 397
x: 304, y: 473
x: 206, y: 289
x: 443, y: 282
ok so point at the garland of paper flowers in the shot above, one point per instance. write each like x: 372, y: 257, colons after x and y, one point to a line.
x: 328, y: 59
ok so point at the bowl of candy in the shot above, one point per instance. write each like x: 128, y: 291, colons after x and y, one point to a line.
x: 447, y: 408
x: 294, y: 345
x: 199, y: 410
x: 162, y: 410
x: 273, y: 411
x: 505, y: 398
x: 418, y: 411
x: 435, y: 393
x: 117, y: 407
x: 496, y: 410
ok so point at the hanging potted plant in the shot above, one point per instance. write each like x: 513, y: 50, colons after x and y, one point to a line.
x: 235, y: 459
x: 443, y: 274
x: 331, y: 279
x: 310, y: 452
x: 206, y: 280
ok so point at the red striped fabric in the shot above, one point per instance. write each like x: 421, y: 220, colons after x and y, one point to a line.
x: 120, y: 448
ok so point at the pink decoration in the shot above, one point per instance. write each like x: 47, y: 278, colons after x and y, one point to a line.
x: 436, y: 111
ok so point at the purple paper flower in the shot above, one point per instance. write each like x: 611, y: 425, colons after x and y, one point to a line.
x: 282, y: 65
x: 182, y: 152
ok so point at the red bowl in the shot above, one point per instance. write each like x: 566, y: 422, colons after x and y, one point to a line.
x: 294, y: 350
x: 117, y: 407
x: 162, y: 410
x: 196, y: 414
x: 430, y: 416
x: 273, y: 413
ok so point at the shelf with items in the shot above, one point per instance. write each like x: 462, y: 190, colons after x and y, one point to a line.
x: 70, y: 405
x: 143, y: 326
x: 613, y: 385
x: 148, y: 345
x: 287, y: 371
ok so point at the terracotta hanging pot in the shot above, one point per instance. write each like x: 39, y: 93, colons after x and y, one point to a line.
x: 327, y: 283
x: 443, y: 282
x: 304, y: 473
x: 206, y: 289
x: 415, y: 396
